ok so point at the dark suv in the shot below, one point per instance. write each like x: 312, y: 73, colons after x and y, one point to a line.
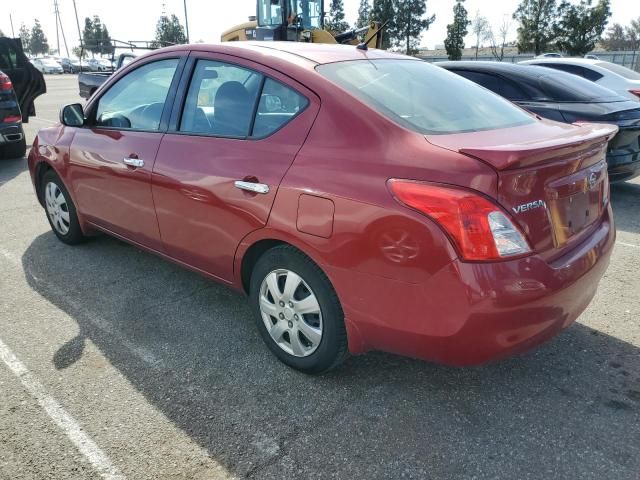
x: 20, y: 84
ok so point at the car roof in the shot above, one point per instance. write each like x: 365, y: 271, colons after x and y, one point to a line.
x: 528, y: 71
x: 568, y: 61
x: 316, y: 53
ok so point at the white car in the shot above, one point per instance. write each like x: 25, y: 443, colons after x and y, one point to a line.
x: 47, y: 65
x: 621, y: 80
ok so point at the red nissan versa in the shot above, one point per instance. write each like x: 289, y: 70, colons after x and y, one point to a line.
x: 362, y: 199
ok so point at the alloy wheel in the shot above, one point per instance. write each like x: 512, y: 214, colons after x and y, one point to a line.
x: 57, y: 208
x: 291, y: 312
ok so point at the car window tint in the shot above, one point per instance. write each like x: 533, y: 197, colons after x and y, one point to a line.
x: 221, y: 99
x: 278, y: 105
x: 495, y: 83
x: 419, y: 96
x: 592, y: 75
x: 136, y: 101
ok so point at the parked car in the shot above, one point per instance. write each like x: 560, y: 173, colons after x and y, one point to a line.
x: 47, y: 65
x: 12, y: 141
x: 563, y: 97
x: 621, y: 80
x: 89, y: 82
x: 71, y: 65
x: 27, y: 82
x: 550, y: 55
x: 362, y: 199
x: 591, y: 56
x: 97, y: 65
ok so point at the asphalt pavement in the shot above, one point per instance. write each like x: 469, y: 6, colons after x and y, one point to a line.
x: 117, y: 364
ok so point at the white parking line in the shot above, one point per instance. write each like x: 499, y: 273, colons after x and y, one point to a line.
x: 60, y: 417
x: 627, y: 244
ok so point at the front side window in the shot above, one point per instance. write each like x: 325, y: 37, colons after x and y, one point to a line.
x: 136, y: 101
x: 423, y: 97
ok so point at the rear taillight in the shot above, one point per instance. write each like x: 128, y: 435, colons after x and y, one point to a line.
x: 635, y: 91
x: 5, y: 82
x: 12, y: 119
x: 479, y: 229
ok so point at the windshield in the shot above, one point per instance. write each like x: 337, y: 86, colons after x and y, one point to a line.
x: 424, y: 98
x: 270, y: 12
x: 307, y: 12
x: 565, y: 87
x: 620, y: 70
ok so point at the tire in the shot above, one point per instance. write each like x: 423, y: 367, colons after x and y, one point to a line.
x: 61, y: 212
x: 314, y: 309
x: 14, y: 150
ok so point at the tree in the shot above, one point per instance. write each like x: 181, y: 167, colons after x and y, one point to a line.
x: 537, y: 25
x: 96, y: 36
x: 480, y: 28
x: 384, y: 11
x: 169, y: 31
x: 79, y: 52
x: 616, y: 38
x: 38, y: 44
x: 581, y: 25
x: 409, y: 24
x: 456, y: 31
x: 25, y: 38
x: 498, y: 44
x: 364, y: 14
x: 336, y: 15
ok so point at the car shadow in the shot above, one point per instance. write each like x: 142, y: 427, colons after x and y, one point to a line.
x: 625, y: 198
x: 571, y: 409
x: 11, y: 168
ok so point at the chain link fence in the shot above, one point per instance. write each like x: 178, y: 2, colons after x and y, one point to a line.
x: 625, y: 58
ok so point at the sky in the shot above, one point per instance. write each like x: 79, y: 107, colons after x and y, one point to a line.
x: 136, y: 19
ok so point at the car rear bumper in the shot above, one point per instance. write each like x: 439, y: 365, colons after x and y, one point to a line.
x: 623, y: 158
x: 11, y: 133
x: 471, y: 313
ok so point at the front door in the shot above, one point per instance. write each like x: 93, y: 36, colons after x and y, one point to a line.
x: 217, y: 174
x: 111, y: 159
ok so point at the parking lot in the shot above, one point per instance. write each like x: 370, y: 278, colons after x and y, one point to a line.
x: 118, y: 364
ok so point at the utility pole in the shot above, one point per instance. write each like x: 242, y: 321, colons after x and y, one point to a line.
x: 64, y: 38
x: 186, y: 20
x: 55, y: 11
x: 13, y: 33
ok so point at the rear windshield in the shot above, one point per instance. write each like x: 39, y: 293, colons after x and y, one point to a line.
x: 566, y: 87
x: 424, y: 98
x: 620, y: 70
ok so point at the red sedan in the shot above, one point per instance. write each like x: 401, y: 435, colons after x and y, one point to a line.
x: 362, y: 199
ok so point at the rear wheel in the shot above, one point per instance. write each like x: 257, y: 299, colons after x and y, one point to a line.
x: 14, y: 150
x: 61, y: 212
x: 297, y: 311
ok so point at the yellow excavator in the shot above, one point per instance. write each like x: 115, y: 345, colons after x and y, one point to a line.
x: 298, y: 21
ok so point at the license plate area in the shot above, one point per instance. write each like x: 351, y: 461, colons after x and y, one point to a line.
x: 575, y: 202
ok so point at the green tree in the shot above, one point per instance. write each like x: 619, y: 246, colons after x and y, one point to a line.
x: 536, y: 25
x: 96, y: 36
x: 25, y: 38
x: 169, y: 31
x: 615, y: 38
x: 581, y: 25
x: 337, y: 22
x: 410, y: 22
x: 38, y: 44
x: 79, y: 52
x: 383, y: 11
x: 456, y: 31
x: 481, y: 29
x: 364, y: 14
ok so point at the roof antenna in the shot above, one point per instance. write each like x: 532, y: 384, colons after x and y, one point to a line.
x: 363, y: 45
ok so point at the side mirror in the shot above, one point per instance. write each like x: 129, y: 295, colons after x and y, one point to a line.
x: 72, y: 115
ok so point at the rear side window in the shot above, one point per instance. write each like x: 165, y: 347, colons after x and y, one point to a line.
x: 495, y: 83
x: 562, y: 87
x: 423, y: 97
x: 223, y: 97
x: 278, y: 105
x: 620, y: 70
x: 574, y: 69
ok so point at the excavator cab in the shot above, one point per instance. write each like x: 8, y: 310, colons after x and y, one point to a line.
x: 288, y: 19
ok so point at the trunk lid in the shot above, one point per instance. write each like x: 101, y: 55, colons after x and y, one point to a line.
x: 552, y: 177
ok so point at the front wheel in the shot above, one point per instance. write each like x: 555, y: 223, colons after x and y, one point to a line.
x: 297, y: 311
x: 61, y: 212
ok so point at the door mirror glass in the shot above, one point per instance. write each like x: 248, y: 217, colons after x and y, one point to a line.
x: 72, y: 115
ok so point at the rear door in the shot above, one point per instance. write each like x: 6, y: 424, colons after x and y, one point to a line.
x: 111, y: 159
x: 219, y: 167
x: 28, y: 82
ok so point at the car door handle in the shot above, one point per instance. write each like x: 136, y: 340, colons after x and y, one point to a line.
x: 133, y: 162
x: 252, y: 186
